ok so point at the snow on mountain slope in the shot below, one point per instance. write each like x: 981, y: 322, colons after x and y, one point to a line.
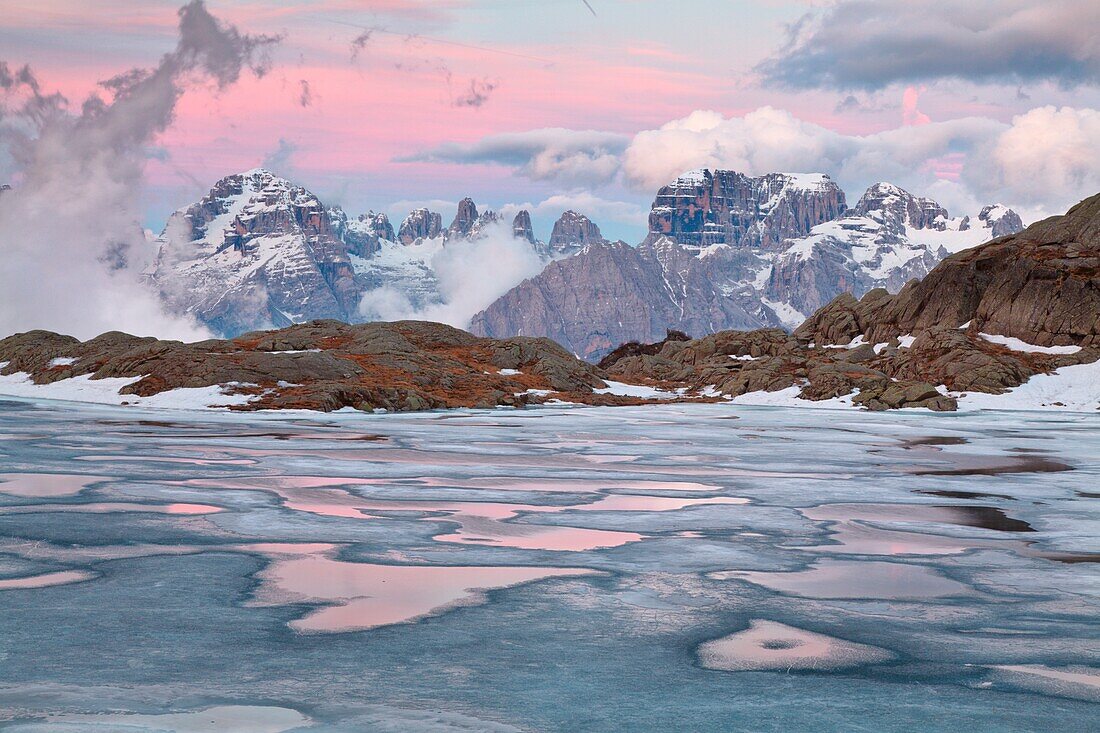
x: 889, y: 238
x: 256, y: 251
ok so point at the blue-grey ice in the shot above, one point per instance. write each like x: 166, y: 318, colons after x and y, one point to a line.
x: 667, y: 567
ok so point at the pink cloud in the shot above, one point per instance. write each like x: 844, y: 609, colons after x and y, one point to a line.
x: 910, y: 115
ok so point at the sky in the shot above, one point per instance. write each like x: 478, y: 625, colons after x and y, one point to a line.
x: 388, y: 105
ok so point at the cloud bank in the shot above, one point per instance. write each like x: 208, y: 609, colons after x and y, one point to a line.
x: 870, y: 44
x: 471, y: 275
x: 1041, y: 161
x: 73, y: 249
x: 549, y: 154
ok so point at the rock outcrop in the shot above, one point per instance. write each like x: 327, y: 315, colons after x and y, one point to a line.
x: 465, y: 219
x: 572, y: 233
x: 521, y: 227
x: 324, y: 365
x: 420, y: 224
x: 1041, y: 286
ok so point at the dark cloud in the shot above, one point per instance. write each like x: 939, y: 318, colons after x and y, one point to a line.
x: 360, y: 42
x: 476, y: 94
x: 551, y: 153
x: 305, y: 93
x: 870, y: 44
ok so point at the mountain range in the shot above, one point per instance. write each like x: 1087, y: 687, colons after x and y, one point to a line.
x: 1018, y: 310
x: 724, y: 251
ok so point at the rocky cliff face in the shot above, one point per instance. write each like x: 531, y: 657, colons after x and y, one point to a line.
x: 611, y: 292
x: 521, y: 227
x: 256, y: 250
x: 420, y: 224
x: 572, y: 233
x: 465, y: 219
x: 363, y: 235
x: 706, y: 207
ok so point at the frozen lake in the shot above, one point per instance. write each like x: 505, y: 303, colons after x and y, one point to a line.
x: 674, y: 567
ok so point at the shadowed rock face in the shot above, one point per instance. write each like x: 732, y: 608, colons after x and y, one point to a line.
x: 420, y: 224
x: 521, y: 227
x: 465, y: 218
x: 611, y: 293
x: 572, y: 233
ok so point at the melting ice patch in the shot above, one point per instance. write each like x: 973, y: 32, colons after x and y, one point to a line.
x: 769, y: 645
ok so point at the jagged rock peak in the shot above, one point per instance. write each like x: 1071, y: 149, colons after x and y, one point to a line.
x: 572, y: 232
x: 465, y: 218
x: 1001, y: 220
x: 895, y: 208
x: 704, y: 207
x: 420, y: 224
x: 378, y: 224
x: 521, y: 226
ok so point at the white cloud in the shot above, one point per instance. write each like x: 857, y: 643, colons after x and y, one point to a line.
x: 1044, y: 160
x: 471, y: 274
x: 73, y: 249
x: 1047, y: 155
x: 583, y: 202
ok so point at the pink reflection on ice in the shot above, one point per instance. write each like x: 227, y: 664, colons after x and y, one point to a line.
x: 367, y: 596
x: 768, y: 645
x: 853, y: 579
x: 485, y: 531
x: 640, y: 503
x: 105, y: 507
x: 45, y: 580
x: 44, y: 485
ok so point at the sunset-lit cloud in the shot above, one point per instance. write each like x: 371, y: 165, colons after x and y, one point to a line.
x: 375, y: 102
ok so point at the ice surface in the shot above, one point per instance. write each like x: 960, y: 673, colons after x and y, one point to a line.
x: 767, y: 645
x: 668, y: 567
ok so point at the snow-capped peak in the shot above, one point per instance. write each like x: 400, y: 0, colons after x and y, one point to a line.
x: 808, y: 181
